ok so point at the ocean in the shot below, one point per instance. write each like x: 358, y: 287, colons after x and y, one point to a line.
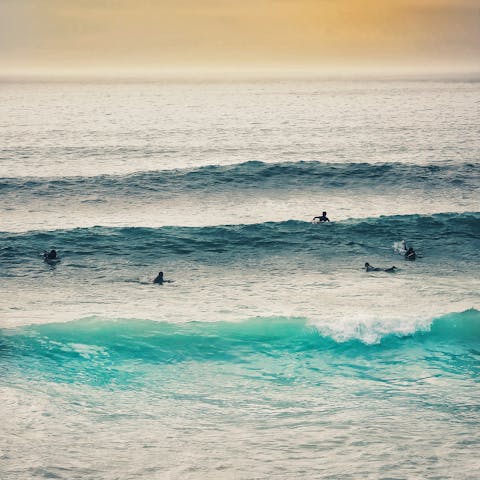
x: 271, y: 354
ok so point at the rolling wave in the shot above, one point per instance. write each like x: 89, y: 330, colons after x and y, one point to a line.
x: 448, y: 235
x: 93, y: 347
x: 253, y: 175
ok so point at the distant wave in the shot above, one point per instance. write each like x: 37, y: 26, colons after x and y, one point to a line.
x: 252, y: 175
x: 90, y: 349
x: 445, y: 235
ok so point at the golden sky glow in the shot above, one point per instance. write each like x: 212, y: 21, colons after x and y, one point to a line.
x: 163, y: 34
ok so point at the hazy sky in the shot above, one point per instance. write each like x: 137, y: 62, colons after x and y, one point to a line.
x: 168, y: 34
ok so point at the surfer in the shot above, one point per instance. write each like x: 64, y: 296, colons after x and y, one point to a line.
x: 369, y: 268
x: 321, y: 219
x: 410, y: 254
x: 159, y: 279
x: 51, y: 255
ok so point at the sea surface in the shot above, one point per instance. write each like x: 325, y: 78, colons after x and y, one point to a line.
x: 271, y: 354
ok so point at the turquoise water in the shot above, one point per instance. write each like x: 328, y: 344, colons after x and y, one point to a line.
x: 102, y: 352
x: 192, y: 399
x: 272, y: 353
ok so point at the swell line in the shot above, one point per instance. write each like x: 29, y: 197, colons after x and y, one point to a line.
x: 250, y: 175
x: 447, y: 235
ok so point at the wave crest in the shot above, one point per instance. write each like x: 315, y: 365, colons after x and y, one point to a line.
x: 163, y: 341
x: 445, y: 235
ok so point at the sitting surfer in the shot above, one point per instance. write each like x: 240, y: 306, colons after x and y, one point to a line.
x: 51, y: 255
x: 369, y: 268
x: 322, y: 218
x: 410, y: 254
x: 159, y: 280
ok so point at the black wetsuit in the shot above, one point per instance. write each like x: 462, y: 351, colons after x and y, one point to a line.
x: 376, y: 269
x: 410, y: 255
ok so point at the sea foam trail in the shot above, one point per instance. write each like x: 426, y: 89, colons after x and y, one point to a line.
x: 252, y: 175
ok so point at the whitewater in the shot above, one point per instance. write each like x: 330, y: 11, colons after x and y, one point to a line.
x: 272, y: 354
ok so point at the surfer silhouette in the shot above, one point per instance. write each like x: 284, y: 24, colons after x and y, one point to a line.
x: 410, y: 254
x: 322, y: 218
x: 370, y: 268
x: 159, y: 280
x: 51, y: 255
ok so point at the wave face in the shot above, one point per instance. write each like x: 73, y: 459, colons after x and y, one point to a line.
x: 445, y: 235
x: 94, y: 350
x: 255, y: 175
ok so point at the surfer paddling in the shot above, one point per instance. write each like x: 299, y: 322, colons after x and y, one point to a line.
x: 370, y: 268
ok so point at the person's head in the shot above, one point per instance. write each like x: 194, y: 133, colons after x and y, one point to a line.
x: 324, y: 214
x: 160, y: 274
x: 367, y: 264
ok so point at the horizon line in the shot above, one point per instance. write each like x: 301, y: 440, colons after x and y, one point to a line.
x: 238, y: 73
